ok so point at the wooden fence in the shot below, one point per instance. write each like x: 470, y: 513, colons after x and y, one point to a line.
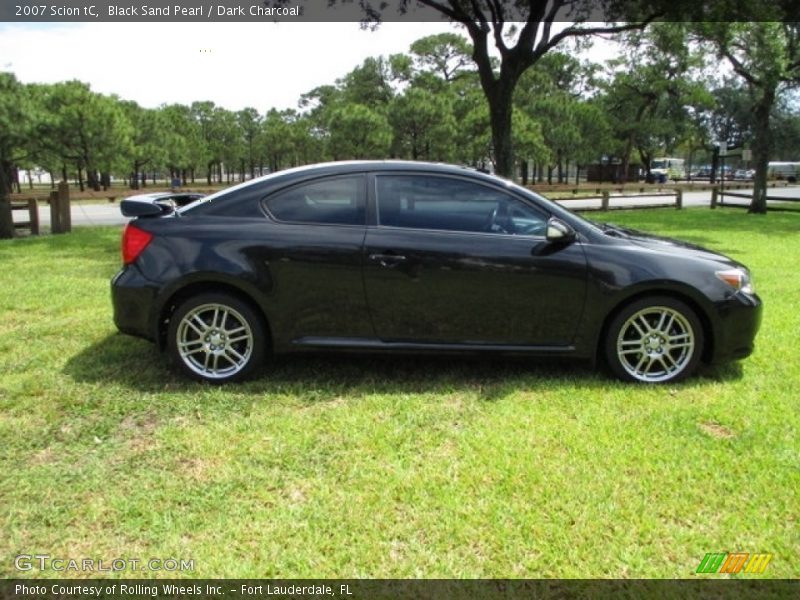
x: 718, y: 199
x: 60, y: 211
x: 606, y: 198
x: 32, y: 223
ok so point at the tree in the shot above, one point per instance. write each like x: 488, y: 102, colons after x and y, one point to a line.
x: 651, y: 94
x: 369, y: 84
x: 184, y: 143
x: 445, y: 55
x: 249, y: 126
x: 276, y: 139
x: 82, y: 128
x: 550, y: 94
x: 523, y: 32
x: 423, y: 125
x: 148, y: 135
x: 14, y: 124
x: 358, y: 132
x: 766, y: 55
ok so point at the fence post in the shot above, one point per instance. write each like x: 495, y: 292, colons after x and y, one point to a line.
x: 714, y: 197
x: 605, y: 200
x: 60, y: 217
x: 33, y: 211
x: 679, y: 199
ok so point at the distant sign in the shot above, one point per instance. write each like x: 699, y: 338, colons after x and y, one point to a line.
x: 747, y: 154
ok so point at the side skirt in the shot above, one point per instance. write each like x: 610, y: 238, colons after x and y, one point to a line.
x: 374, y: 345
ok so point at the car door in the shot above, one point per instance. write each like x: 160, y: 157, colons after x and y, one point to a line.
x: 451, y: 260
x: 314, y: 255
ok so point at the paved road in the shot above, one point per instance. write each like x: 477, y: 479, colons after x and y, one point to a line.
x: 108, y: 213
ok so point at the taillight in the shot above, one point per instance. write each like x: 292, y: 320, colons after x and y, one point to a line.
x: 134, y: 241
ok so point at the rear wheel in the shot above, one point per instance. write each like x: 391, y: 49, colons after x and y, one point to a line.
x: 216, y: 337
x: 654, y: 340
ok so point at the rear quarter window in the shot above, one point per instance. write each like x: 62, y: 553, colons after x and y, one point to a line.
x: 330, y: 201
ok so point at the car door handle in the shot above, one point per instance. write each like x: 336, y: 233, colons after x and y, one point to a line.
x: 387, y: 260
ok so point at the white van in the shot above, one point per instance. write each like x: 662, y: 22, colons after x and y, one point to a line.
x: 783, y: 170
x: 667, y: 168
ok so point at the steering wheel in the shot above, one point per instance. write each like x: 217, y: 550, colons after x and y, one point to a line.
x: 498, y: 221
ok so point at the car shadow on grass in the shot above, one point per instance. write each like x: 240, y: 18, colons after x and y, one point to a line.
x: 135, y: 364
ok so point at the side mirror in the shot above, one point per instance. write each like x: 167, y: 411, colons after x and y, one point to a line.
x: 559, y: 232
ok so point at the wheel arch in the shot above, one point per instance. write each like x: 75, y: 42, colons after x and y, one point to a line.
x: 699, y: 310
x: 195, y: 287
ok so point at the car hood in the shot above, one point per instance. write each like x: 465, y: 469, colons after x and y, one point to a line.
x: 672, y: 246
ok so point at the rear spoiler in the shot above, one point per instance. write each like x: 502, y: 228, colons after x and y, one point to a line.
x: 146, y: 208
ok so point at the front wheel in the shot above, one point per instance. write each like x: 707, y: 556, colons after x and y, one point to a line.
x: 654, y: 340
x: 216, y: 337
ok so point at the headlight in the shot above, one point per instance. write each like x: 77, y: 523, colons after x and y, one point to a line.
x: 738, y: 279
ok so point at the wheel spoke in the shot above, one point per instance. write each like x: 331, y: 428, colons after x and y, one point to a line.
x: 196, y: 318
x: 239, y: 358
x: 642, y: 332
x: 660, y: 326
x: 631, y: 351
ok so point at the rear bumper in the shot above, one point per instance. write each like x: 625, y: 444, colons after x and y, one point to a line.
x: 133, y: 299
x: 739, y: 320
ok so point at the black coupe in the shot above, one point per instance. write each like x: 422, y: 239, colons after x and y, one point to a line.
x: 416, y: 257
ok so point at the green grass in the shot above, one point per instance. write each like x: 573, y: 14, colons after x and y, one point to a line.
x: 395, y: 467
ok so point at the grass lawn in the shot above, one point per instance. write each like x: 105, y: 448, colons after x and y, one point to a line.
x: 394, y: 467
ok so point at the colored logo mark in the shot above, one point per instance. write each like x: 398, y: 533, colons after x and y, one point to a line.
x: 734, y: 562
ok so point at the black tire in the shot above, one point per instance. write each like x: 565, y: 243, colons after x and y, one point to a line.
x: 657, y: 339
x: 216, y: 337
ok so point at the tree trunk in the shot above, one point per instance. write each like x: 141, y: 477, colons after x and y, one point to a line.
x: 134, y: 184
x: 500, y: 111
x: 762, y: 144
x: 6, y: 218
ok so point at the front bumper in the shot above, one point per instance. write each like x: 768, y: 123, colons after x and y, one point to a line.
x: 739, y: 318
x: 133, y: 300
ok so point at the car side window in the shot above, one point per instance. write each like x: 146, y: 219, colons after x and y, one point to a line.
x: 333, y: 201
x: 445, y: 203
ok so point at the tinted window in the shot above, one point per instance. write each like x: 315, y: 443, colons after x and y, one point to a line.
x: 335, y: 201
x: 427, y: 202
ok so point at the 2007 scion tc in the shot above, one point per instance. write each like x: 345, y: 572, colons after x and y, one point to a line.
x: 416, y: 257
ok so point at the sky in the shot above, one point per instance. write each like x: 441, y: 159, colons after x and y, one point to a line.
x: 234, y: 65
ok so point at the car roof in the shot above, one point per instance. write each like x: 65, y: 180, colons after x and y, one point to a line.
x: 288, y: 176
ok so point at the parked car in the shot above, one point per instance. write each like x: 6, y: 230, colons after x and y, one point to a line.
x: 177, y: 198
x: 744, y: 174
x: 414, y: 257
x: 703, y: 173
